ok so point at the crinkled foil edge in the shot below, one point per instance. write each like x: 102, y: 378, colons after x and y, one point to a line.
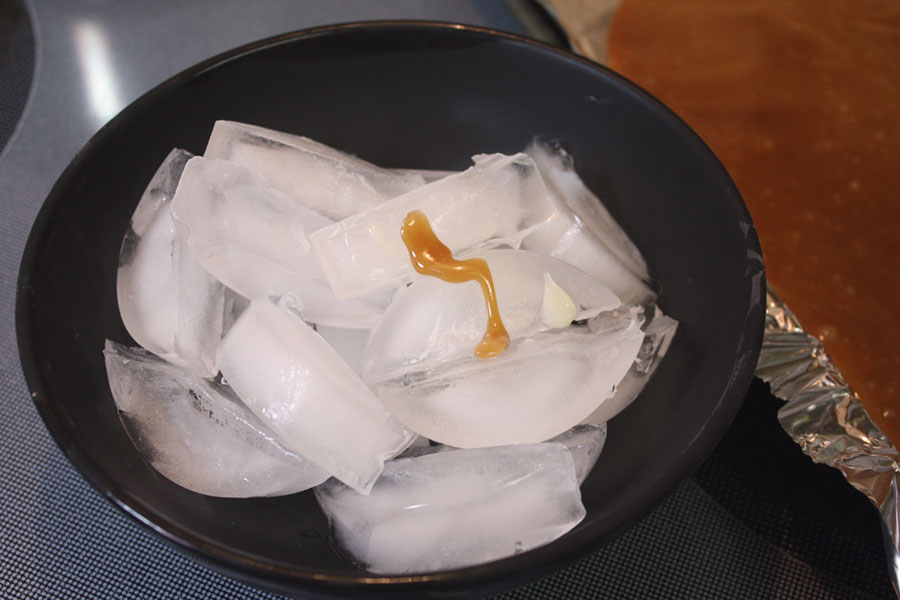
x: 824, y: 416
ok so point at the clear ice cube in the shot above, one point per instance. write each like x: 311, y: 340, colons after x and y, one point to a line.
x: 300, y: 387
x: 197, y: 434
x: 427, y: 175
x: 235, y: 305
x: 348, y: 343
x: 557, y: 167
x: 585, y: 442
x: 457, y: 508
x: 432, y: 321
x: 497, y: 201
x: 540, y: 387
x: 254, y: 239
x: 658, y: 334
x: 419, y: 446
x: 168, y: 302
x: 219, y: 203
x: 330, y: 182
x: 584, y: 233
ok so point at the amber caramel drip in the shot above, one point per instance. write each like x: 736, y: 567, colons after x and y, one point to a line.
x: 431, y: 257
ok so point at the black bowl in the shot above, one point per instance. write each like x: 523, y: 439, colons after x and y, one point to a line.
x: 401, y: 95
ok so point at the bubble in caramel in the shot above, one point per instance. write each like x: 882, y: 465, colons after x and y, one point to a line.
x: 430, y: 256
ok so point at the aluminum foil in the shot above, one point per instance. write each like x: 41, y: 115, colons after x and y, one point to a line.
x: 824, y: 416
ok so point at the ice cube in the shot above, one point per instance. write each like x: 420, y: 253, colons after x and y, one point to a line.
x: 219, y: 203
x: 321, y: 178
x: 300, y: 387
x: 497, y: 201
x: 419, y: 446
x: 457, y: 508
x: 197, y: 434
x: 433, y: 321
x: 428, y: 175
x: 583, y: 233
x: 658, y: 334
x: 348, y: 343
x: 557, y: 167
x: 235, y: 305
x: 585, y: 442
x: 540, y: 387
x: 253, y: 238
x: 168, y: 303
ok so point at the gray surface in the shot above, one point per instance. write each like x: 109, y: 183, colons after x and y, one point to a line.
x: 58, y: 537
x: 16, y: 65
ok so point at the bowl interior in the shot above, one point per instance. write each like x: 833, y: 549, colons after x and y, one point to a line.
x: 402, y: 95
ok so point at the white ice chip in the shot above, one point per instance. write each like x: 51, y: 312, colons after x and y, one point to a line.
x: 557, y: 307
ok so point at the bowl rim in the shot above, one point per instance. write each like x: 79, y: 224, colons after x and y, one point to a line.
x: 544, y: 559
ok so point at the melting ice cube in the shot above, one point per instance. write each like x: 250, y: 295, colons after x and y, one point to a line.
x: 585, y: 442
x: 419, y: 446
x: 433, y: 321
x: 540, y: 387
x: 497, y: 201
x: 348, y: 343
x: 253, y: 238
x: 457, y: 508
x: 321, y: 178
x: 197, y: 434
x: 220, y: 203
x: 584, y: 233
x: 658, y: 334
x: 168, y: 303
x: 300, y: 387
x: 428, y: 175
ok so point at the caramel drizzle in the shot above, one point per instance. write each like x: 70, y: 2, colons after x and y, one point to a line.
x: 431, y: 257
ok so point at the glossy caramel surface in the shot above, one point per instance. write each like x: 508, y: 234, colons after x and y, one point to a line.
x: 431, y: 257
